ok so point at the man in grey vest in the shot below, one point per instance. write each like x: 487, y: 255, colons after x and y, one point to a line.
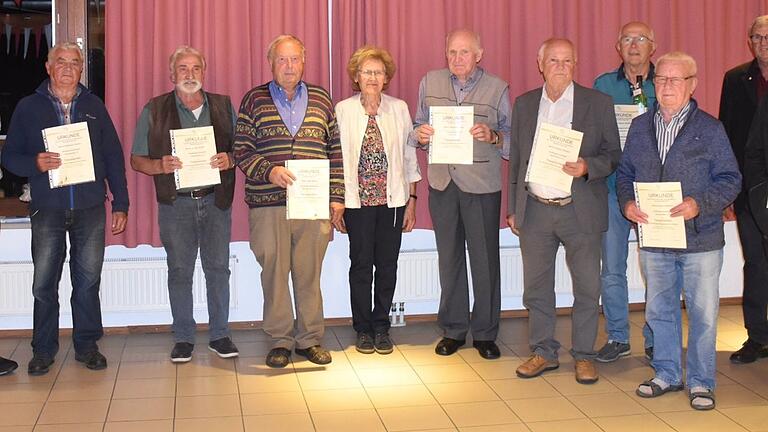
x: 465, y: 200
x: 191, y: 218
x: 545, y: 216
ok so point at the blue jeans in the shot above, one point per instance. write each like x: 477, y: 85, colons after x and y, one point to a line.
x: 613, y: 274
x: 187, y: 225
x: 86, y: 256
x: 697, y: 275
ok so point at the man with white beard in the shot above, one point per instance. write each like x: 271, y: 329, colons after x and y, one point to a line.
x: 191, y: 218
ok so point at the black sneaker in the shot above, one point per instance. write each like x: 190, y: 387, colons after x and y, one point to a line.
x: 182, y: 352
x: 364, y: 343
x: 93, y: 359
x: 749, y: 352
x: 612, y: 350
x: 7, y: 366
x: 382, y: 343
x: 40, y: 364
x: 224, y: 348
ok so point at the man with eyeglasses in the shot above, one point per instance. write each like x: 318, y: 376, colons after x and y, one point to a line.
x: 545, y: 216
x: 72, y: 214
x: 678, y: 142
x: 635, y: 45
x: 191, y: 219
x: 743, y: 88
x: 285, y: 119
x: 465, y: 200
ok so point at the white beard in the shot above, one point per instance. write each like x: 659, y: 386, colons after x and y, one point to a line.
x: 189, y: 86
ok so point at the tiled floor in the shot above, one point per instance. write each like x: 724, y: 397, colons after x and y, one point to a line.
x: 410, y: 389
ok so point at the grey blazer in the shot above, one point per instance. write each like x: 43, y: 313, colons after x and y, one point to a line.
x: 593, y: 115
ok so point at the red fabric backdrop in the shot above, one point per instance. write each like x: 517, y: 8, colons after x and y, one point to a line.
x: 233, y: 34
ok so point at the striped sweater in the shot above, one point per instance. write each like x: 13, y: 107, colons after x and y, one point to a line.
x: 262, y: 142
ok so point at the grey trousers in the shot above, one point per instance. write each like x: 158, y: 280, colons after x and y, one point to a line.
x: 546, y: 227
x: 294, y: 247
x: 459, y: 217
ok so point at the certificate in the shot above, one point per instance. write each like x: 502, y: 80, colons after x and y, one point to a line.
x: 624, y: 116
x: 309, y: 195
x: 662, y: 230
x: 194, y: 147
x: 552, y: 148
x: 451, y: 143
x: 73, y: 144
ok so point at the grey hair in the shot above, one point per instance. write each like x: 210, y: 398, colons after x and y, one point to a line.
x: 184, y: 50
x: 651, y: 34
x: 64, y: 46
x: 473, y: 35
x: 551, y: 41
x: 760, y: 21
x: 681, y: 57
x: 280, y: 39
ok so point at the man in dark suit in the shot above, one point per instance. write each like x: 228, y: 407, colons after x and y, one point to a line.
x: 544, y: 216
x: 743, y: 87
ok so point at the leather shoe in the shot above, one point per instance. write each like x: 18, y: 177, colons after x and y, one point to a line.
x: 278, y: 357
x: 535, y: 366
x: 487, y: 349
x: 93, y: 360
x: 7, y: 366
x: 448, y: 346
x: 316, y: 354
x: 40, y: 364
x: 749, y: 352
x: 586, y: 372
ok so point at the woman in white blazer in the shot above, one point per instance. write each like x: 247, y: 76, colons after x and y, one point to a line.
x: 380, y: 176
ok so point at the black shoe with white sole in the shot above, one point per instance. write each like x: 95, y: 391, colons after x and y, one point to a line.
x: 224, y: 348
x: 182, y: 352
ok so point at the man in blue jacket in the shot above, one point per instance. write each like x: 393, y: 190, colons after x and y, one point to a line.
x: 75, y: 210
x: 677, y: 142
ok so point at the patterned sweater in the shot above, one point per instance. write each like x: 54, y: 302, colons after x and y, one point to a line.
x: 262, y: 142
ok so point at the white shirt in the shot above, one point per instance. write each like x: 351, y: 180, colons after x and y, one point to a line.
x: 558, y: 113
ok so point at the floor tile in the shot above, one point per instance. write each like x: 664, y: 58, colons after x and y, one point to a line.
x: 480, y: 414
x: 580, y: 425
x: 269, y: 381
x: 208, y: 406
x: 754, y: 418
x: 82, y: 390
x: 395, y: 376
x: 140, y: 426
x: 74, y: 427
x: 632, y: 423
x: 347, y: 421
x: 728, y: 396
x: 19, y: 393
x: 145, y: 388
x: 462, y: 392
x: 376, y: 361
x: 410, y: 418
x: 141, y: 409
x: 207, y: 366
x: 74, y: 412
x: 400, y: 396
x: 328, y: 380
x: 217, y: 424
x: 206, y: 385
x: 446, y: 373
x: 544, y: 409
x: 606, y: 404
x: 426, y: 356
x: 515, y: 427
x: 700, y: 421
x: 299, y: 422
x: 337, y: 400
x: 567, y: 385
x: 143, y: 370
x: 496, y: 370
x: 520, y: 388
x: 273, y: 403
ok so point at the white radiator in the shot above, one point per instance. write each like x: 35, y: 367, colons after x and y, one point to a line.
x: 127, y: 285
x: 418, y: 275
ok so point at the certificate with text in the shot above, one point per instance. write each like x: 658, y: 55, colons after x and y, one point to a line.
x: 624, y: 116
x: 73, y: 144
x: 552, y: 148
x: 656, y: 200
x: 309, y: 195
x: 194, y: 147
x: 451, y: 143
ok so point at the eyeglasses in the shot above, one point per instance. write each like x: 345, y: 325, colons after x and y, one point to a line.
x: 640, y: 40
x: 372, y: 73
x: 661, y: 80
x: 756, y: 38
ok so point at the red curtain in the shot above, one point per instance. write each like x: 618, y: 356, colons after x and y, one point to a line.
x: 233, y: 34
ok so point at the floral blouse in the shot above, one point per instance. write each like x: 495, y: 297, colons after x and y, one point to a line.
x: 372, y: 169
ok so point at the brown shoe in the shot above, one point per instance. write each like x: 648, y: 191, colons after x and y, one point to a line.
x: 586, y: 372
x: 535, y: 366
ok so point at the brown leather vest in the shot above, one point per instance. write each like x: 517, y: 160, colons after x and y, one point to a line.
x: 163, y: 116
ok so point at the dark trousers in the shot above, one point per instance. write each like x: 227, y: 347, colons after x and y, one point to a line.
x: 755, y: 297
x: 374, y: 241
x: 467, y: 222
x: 50, y: 228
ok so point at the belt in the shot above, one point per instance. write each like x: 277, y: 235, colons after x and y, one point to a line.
x: 558, y: 202
x: 196, y: 194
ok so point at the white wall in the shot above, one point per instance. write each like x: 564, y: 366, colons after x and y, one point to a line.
x: 14, y: 246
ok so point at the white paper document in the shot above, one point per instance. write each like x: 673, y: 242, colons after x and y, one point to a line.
x: 309, y: 195
x: 194, y: 147
x: 624, y: 116
x: 73, y: 144
x: 662, y: 230
x: 553, y: 147
x: 451, y: 143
